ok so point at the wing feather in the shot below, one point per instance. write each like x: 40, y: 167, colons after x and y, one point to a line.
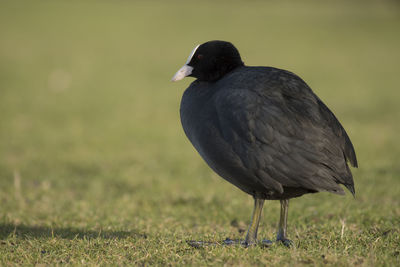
x: 286, y: 136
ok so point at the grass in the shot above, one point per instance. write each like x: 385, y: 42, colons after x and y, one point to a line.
x: 95, y: 168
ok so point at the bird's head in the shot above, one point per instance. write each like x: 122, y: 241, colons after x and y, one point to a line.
x: 210, y: 61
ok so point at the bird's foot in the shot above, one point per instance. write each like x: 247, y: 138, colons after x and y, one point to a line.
x: 266, y: 243
x: 201, y: 244
x: 229, y: 242
x: 262, y: 243
x: 286, y: 242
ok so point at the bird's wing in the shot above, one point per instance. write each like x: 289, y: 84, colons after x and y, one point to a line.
x: 284, y: 137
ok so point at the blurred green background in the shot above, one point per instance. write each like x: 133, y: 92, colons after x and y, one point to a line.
x: 95, y: 168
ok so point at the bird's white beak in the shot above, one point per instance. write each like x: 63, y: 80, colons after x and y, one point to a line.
x: 182, y: 73
x: 186, y: 70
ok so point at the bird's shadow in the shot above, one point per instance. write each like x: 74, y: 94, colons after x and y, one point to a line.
x: 27, y: 232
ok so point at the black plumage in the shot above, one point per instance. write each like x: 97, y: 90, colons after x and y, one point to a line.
x: 262, y: 128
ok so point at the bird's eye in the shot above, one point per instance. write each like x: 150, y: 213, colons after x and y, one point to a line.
x: 200, y: 56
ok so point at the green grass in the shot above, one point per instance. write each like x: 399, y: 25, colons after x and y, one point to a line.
x: 95, y: 168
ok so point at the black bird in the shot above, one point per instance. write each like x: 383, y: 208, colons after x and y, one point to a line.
x: 262, y: 129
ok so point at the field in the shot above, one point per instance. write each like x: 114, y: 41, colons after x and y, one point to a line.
x: 94, y: 165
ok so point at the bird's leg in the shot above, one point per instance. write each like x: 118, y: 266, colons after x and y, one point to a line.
x: 282, y: 230
x: 251, y: 237
x: 283, y: 220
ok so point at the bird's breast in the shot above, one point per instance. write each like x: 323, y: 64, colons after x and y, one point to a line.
x: 201, y: 126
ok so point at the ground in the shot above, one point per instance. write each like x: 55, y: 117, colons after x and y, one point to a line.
x: 95, y: 168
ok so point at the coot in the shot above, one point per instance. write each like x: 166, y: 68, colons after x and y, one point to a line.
x: 262, y: 129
